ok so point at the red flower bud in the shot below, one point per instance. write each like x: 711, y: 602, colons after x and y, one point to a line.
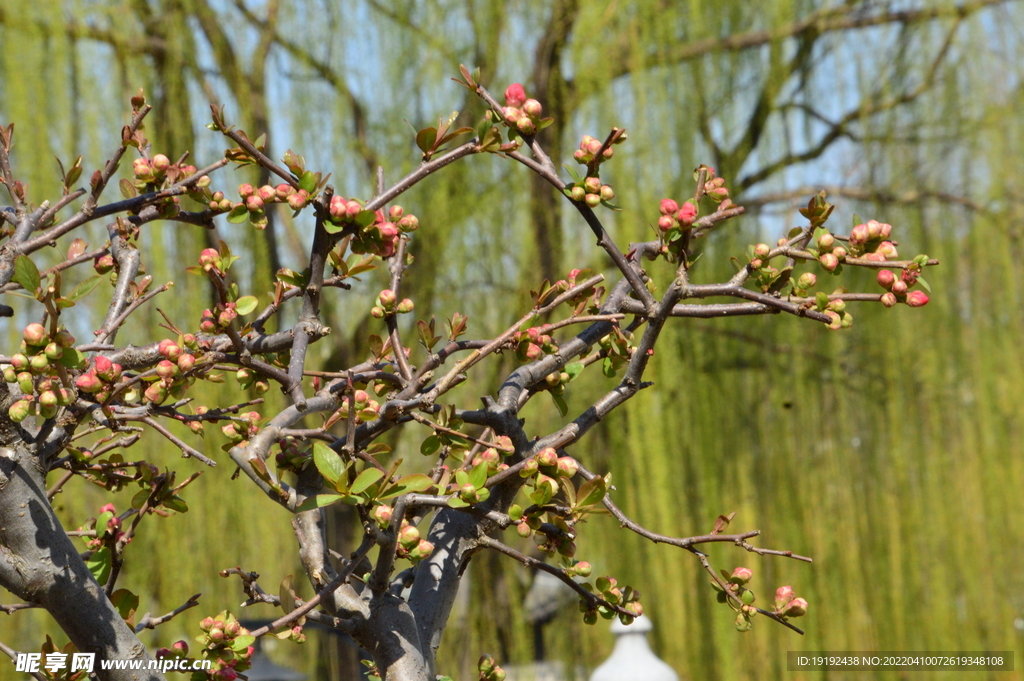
x: 515, y: 95
x: 687, y: 213
x: 886, y: 279
x: 88, y: 383
x: 917, y: 299
x: 668, y: 207
x: 387, y: 299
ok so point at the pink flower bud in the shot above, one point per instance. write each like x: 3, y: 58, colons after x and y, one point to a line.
x: 567, y: 466
x: 409, y: 536
x: 103, y: 264
x: 515, y: 95
x: 666, y: 223
x: 783, y: 595
x: 533, y: 352
x: 859, y: 235
x: 186, y: 362
x: 20, y: 410
x: 160, y: 163
x: 888, y: 249
x: 284, y: 190
x: 888, y: 299
x: 839, y: 252
x: 761, y: 251
x: 529, y: 468
x: 142, y: 169
x: 807, y: 280
x: 382, y: 514
x: 53, y: 351
x: 88, y: 383
x: 246, y: 190
x: 668, y: 207
x: 523, y: 529
x: 532, y: 108
x: 209, y: 259
x: 795, y: 608
x: 917, y: 299
x: 607, y: 193
x: 297, y: 200
x: 578, y: 193
x: 387, y: 299
x: 511, y: 114
x: 826, y: 241
x: 254, y: 203
x: 899, y: 287
x: 166, y: 369
x: 526, y: 126
x: 156, y: 392
x: 886, y: 279
x: 592, y: 200
x: 829, y: 261
x: 687, y: 213
x: 409, y: 223
x: 35, y: 334
x: 405, y: 306
x: 268, y: 193
x: 547, y: 457
x: 741, y: 575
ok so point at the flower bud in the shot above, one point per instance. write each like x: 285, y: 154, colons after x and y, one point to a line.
x: 209, y: 259
x: 268, y: 193
x: 64, y: 338
x: 807, y: 280
x: 761, y: 251
x: 741, y: 575
x: 899, y: 287
x: 525, y: 125
x: 421, y: 550
x: 156, y: 393
x: 532, y: 108
x: 917, y: 299
x: 687, y: 213
x: 529, y: 468
x: 515, y: 95
x: 668, y: 207
x: 297, y: 200
x: 19, y: 362
x: 142, y: 169
x: 578, y: 193
x: 886, y: 279
x: 888, y: 249
x: 246, y: 190
x: 254, y: 203
x: 166, y: 369
x: 795, y: 608
x: 523, y: 529
x: 567, y: 466
x: 35, y: 334
x: 409, y: 536
x: 409, y: 223
x: 826, y: 241
x: 666, y: 223
x: 582, y: 568
x: 53, y: 351
x: 39, y: 364
x: 859, y: 235
x: 829, y: 261
x: 839, y: 252
x: 592, y: 200
x: 592, y: 185
x: 607, y: 193
x: 547, y: 457
x: 88, y: 383
x: 20, y: 410
x: 783, y: 595
x: 387, y: 299
x: 405, y: 306
x: 889, y: 299
x: 382, y: 514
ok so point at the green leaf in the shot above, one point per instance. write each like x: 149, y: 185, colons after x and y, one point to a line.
x: 238, y: 214
x: 328, y: 463
x: 591, y: 492
x: 85, y: 288
x: 246, y: 304
x: 71, y: 358
x: 417, y: 482
x: 430, y: 445
x: 563, y: 408
x: 126, y: 603
x: 541, y: 495
x: 924, y: 284
x: 478, y: 476
x: 99, y: 565
x: 316, y: 502
x: 128, y: 190
x: 365, y: 479
x: 175, y: 503
x: 240, y: 643
x: 457, y: 502
x: 425, y: 139
x: 26, y: 273
x: 573, y: 369
x: 308, y: 181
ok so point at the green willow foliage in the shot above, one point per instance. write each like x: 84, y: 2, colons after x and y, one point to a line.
x: 885, y: 452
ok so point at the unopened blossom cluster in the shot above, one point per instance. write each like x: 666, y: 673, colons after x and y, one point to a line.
x: 39, y: 370
x: 786, y: 602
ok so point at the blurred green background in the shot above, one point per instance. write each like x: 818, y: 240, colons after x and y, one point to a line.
x: 888, y: 452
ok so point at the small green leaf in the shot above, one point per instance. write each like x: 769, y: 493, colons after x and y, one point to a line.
x: 238, y: 214
x: 924, y: 284
x: 26, y: 273
x: 175, y: 503
x: 563, y: 408
x: 328, y: 463
x: 457, y: 502
x: 417, y: 482
x: 425, y: 139
x: 128, y: 190
x: 85, y: 288
x: 241, y: 643
x: 573, y: 369
x: 478, y: 476
x: 591, y: 492
x: 246, y: 304
x: 572, y: 173
x: 99, y: 565
x: 430, y: 445
x: 71, y: 358
x: 308, y: 181
x: 365, y: 479
x: 318, y: 501
x: 126, y: 604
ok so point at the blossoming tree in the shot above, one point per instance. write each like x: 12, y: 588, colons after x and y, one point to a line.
x: 79, y: 409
